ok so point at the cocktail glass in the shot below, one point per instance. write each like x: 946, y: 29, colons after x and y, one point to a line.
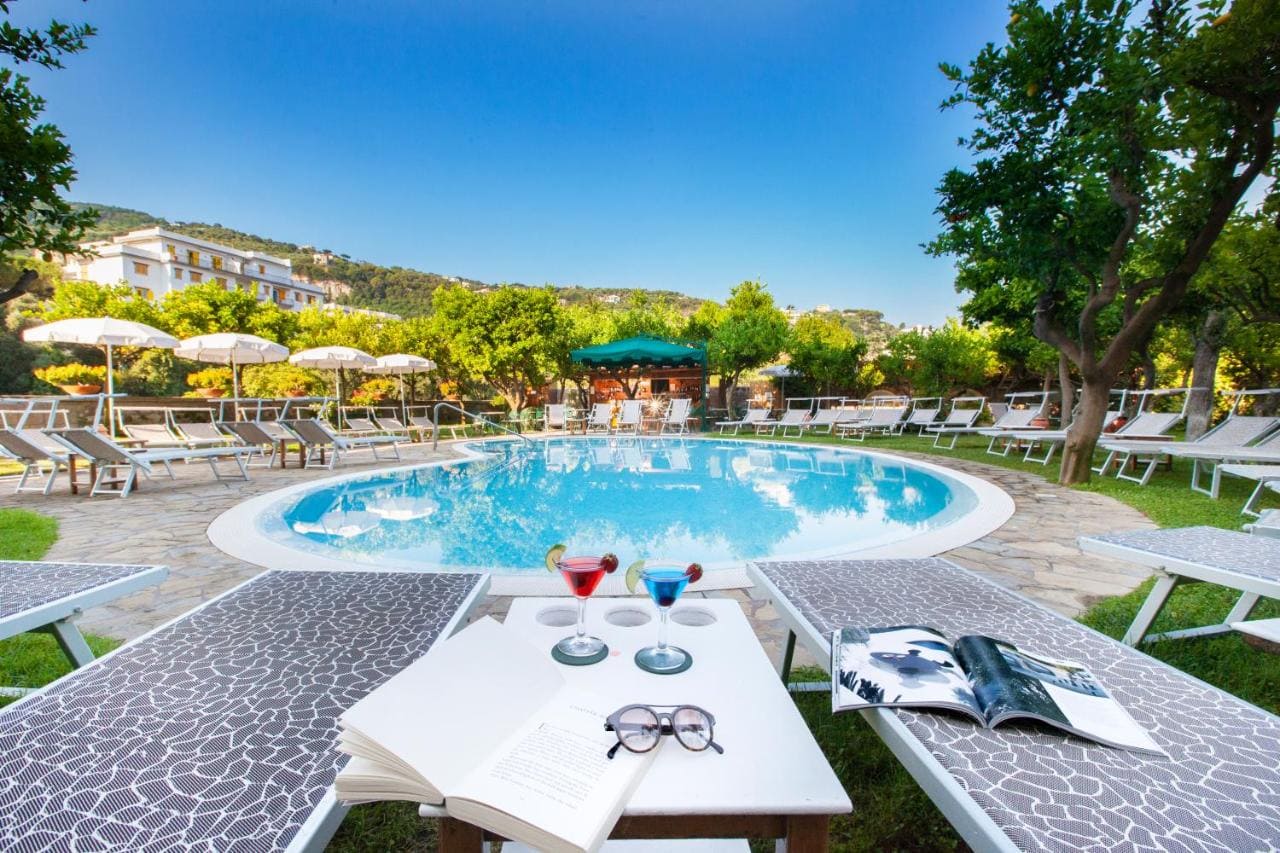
x: 664, y: 583
x: 583, y: 575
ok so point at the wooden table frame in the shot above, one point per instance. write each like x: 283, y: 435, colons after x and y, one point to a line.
x: 805, y: 833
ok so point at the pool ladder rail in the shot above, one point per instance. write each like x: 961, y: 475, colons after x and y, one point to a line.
x: 480, y: 419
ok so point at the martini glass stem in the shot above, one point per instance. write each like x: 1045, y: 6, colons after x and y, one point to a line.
x: 662, y: 628
x: 582, y: 621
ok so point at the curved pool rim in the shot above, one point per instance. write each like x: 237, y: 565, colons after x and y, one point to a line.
x: 236, y: 531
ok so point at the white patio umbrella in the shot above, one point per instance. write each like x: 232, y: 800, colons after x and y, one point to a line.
x: 234, y: 349
x: 781, y: 372
x: 334, y: 358
x: 402, y: 364
x: 106, y: 332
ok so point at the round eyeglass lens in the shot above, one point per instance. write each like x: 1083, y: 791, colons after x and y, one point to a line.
x: 692, y: 727
x: 639, y: 729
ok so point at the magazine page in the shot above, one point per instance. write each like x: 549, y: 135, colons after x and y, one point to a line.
x: 1010, y: 683
x: 902, y: 667
x: 551, y: 783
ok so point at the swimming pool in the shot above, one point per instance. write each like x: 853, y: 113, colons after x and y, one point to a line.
x: 720, y: 502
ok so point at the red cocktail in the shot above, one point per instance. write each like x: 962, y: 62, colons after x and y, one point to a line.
x: 583, y: 575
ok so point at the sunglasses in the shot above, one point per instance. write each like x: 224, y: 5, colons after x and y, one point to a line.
x: 640, y: 727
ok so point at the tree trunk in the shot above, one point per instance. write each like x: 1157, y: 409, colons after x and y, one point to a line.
x: 1204, y: 370
x: 1066, y: 389
x: 19, y: 287
x: 1148, y: 369
x: 1077, y: 453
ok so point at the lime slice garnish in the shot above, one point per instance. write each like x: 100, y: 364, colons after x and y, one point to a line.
x: 633, y: 575
x: 554, y: 553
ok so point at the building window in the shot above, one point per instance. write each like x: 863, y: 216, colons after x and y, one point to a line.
x: 311, y: 300
x: 142, y: 292
x: 177, y: 273
x: 193, y: 258
x: 194, y: 276
x: 262, y: 270
x: 172, y: 250
x: 279, y: 294
x: 140, y: 268
x: 84, y: 271
x: 216, y: 261
x: 222, y: 282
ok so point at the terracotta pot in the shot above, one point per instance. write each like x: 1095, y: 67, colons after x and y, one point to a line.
x: 80, y: 389
x: 210, y: 392
x: 1040, y: 423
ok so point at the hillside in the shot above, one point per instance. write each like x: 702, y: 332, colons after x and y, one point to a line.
x: 401, y: 290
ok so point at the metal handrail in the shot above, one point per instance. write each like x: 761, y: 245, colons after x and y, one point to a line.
x: 435, y: 424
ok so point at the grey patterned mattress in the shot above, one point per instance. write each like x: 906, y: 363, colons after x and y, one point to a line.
x: 1255, y: 556
x: 215, y: 733
x: 24, y: 585
x: 1219, y: 790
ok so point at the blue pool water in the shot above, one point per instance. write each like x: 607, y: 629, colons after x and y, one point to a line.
x: 719, y: 503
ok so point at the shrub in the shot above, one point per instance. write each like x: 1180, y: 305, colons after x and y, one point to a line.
x: 211, y: 377
x: 374, y: 390
x: 73, y: 374
x: 281, y: 380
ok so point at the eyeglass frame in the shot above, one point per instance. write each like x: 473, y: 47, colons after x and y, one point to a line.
x: 666, y: 727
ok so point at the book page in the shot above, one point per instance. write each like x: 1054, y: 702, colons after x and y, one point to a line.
x: 441, y: 716
x: 1011, y: 683
x: 551, y: 784
x: 903, y: 666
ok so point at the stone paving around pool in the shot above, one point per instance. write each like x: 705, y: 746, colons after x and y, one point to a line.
x: 164, y: 523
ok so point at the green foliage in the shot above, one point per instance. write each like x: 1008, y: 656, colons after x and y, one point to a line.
x: 749, y: 333
x: 211, y: 377
x: 72, y: 374
x: 35, y: 162
x: 72, y: 299
x: 375, y: 390
x: 513, y: 339
x: 826, y: 352
x: 950, y: 360
x: 282, y: 380
x: 647, y: 315
x: 206, y: 308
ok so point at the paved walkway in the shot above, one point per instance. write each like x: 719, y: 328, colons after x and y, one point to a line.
x: 164, y: 523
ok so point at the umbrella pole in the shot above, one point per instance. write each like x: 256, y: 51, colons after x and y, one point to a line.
x: 111, y: 391
x: 235, y: 388
x: 404, y: 413
x: 338, y: 374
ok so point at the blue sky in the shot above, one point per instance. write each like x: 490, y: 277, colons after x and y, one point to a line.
x: 685, y: 145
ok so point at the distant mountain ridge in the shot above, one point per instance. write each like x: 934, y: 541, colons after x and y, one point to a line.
x: 401, y: 290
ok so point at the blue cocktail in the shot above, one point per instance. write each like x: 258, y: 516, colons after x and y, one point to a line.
x: 665, y: 582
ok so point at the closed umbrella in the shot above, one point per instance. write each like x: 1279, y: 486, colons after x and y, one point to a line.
x: 107, y: 332
x: 234, y: 349
x: 334, y: 358
x: 401, y: 364
x: 780, y: 372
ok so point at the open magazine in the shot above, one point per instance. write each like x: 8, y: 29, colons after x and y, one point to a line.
x: 486, y: 726
x: 910, y: 666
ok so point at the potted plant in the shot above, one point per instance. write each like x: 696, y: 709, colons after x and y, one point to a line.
x: 210, y: 382
x: 74, y: 378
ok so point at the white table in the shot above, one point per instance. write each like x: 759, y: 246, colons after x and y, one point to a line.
x: 772, y: 780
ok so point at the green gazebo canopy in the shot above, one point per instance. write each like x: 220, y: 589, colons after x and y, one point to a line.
x: 640, y: 351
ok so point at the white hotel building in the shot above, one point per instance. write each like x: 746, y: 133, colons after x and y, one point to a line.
x: 154, y: 262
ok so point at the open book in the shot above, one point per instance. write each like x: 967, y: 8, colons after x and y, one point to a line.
x: 909, y: 666
x: 486, y: 726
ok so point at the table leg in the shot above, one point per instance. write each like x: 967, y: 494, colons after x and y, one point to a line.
x: 284, y: 453
x: 807, y: 833
x: 71, y: 470
x: 457, y: 836
x: 788, y: 656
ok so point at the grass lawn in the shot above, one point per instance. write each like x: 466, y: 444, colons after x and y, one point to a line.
x: 890, y: 812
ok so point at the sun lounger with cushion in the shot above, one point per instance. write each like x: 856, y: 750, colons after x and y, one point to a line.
x: 750, y: 419
x: 215, y: 732
x: 111, y: 459
x: 1030, y: 788
x: 316, y: 437
x: 45, y: 596
x: 959, y: 420
x: 31, y: 450
x: 1233, y: 433
x: 1250, y: 564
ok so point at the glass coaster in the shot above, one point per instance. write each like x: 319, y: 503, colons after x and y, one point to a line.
x: 560, y: 657
x: 688, y: 662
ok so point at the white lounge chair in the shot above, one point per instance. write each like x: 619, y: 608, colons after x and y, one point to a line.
x: 959, y: 421
x: 924, y: 411
x: 31, y: 450
x: 791, y: 419
x: 676, y: 418
x: 1261, y: 452
x: 826, y: 420
x: 360, y: 426
x: 884, y: 419
x: 750, y: 419
x: 1232, y: 434
x: 1266, y: 476
x: 391, y: 425
x: 630, y: 417
x: 315, y: 437
x: 120, y: 466
x: 601, y: 417
x: 555, y: 416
